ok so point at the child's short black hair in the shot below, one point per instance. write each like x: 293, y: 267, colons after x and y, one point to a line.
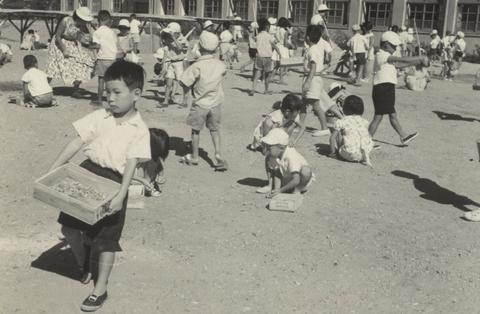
x: 314, y: 33
x: 29, y: 61
x: 283, y: 22
x: 291, y: 102
x: 31, y: 31
x: 395, y: 28
x: 263, y: 24
x: 226, y: 25
x: 159, y: 144
x: 353, y: 105
x: 131, y: 73
x: 133, y: 15
x: 104, y: 16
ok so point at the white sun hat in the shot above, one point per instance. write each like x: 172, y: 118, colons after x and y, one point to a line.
x: 84, y: 13
x: 272, y: 20
x: 208, y: 41
x: 434, y: 32
x: 207, y: 24
x: 317, y: 19
x: 356, y: 27
x: 172, y: 27
x: 391, y: 37
x: 124, y: 23
x: 254, y: 25
x: 460, y: 34
x: 323, y: 8
x: 410, y: 30
x: 276, y: 136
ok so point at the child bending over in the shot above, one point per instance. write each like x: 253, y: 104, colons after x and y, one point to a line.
x: 114, y: 140
x: 286, y: 118
x: 37, y: 92
x: 287, y: 170
x: 152, y: 173
x: 350, y: 138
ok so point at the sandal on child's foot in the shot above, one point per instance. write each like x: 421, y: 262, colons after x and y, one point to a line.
x: 188, y: 160
x: 221, y: 165
x: 408, y: 138
x: 93, y: 302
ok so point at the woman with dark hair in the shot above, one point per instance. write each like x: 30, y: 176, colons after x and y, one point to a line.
x: 69, y: 58
x: 282, y: 37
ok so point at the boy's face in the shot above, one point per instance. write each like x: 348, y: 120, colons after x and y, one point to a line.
x: 106, y: 22
x: 289, y: 114
x: 124, y: 30
x: 120, y: 98
x: 275, y: 151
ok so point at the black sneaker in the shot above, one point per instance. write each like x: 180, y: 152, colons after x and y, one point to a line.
x: 408, y: 138
x: 93, y: 302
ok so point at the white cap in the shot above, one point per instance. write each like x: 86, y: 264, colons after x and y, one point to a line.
x: 410, y: 30
x: 159, y: 54
x: 460, y: 34
x: 208, y: 41
x: 434, y: 32
x: 356, y: 27
x: 124, y: 23
x: 391, y: 37
x: 254, y: 25
x: 207, y: 24
x: 276, y: 136
x: 172, y: 27
x: 84, y: 13
x: 403, y: 28
x: 337, y: 87
x: 323, y: 8
x: 272, y: 20
x: 317, y: 19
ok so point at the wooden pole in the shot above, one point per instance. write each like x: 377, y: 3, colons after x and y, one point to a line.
x: 151, y: 36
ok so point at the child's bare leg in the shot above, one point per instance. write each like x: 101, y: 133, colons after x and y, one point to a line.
x: 216, y: 143
x: 396, y: 125
x: 305, y: 177
x: 75, y: 240
x: 360, y: 70
x: 268, y: 75
x: 168, y: 91
x: 105, y: 265
x: 195, y: 144
x: 372, y: 128
x: 256, y: 76
x: 277, y: 180
x: 322, y: 118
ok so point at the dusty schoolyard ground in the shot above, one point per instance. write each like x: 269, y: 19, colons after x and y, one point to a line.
x: 383, y: 240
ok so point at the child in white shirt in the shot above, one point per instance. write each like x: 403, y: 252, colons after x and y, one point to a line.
x: 226, y: 45
x: 135, y: 28
x: 106, y: 41
x: 36, y: 89
x: 359, y: 46
x: 126, y: 42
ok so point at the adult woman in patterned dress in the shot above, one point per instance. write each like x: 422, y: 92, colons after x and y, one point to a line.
x: 69, y: 58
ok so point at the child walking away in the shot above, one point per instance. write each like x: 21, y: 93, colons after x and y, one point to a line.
x: 252, y: 47
x: 151, y: 174
x: 226, y: 45
x: 358, y: 44
x: 384, y: 81
x: 350, y: 138
x: 312, y: 88
x: 205, y: 78
x: 135, y: 28
x: 263, y: 63
x: 106, y: 41
x: 37, y: 92
x: 114, y: 140
x: 286, y: 118
x: 287, y: 170
x: 126, y: 43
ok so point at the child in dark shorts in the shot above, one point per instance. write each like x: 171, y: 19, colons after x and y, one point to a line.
x: 252, y: 47
x: 114, y: 139
x: 384, y: 81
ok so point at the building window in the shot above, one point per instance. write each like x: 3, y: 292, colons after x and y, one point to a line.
x: 338, y: 14
x: 379, y: 14
x: 470, y: 17
x: 426, y: 15
x: 213, y: 8
x: 301, y: 11
x: 241, y: 8
x: 70, y: 5
x: 140, y: 7
x: 117, y: 5
x: 169, y: 7
x: 267, y: 8
x: 96, y: 5
x: 190, y: 7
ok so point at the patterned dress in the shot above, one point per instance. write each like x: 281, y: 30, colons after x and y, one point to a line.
x: 80, y: 66
x: 354, y: 130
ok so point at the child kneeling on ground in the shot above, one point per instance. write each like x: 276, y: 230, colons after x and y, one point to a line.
x: 114, y: 140
x: 350, y: 138
x: 287, y: 170
x: 37, y: 91
x: 286, y: 118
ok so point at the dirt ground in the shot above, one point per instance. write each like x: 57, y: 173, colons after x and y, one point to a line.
x: 383, y: 240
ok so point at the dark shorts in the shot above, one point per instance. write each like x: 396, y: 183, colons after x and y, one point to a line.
x: 105, y: 234
x: 198, y: 117
x: 360, y: 59
x: 101, y: 67
x: 252, y: 53
x: 264, y: 64
x: 384, y: 98
x: 458, y: 55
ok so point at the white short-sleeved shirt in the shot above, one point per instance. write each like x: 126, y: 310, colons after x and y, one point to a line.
x: 135, y: 26
x: 460, y: 45
x: 358, y: 43
x: 435, y: 42
x: 226, y: 36
x: 316, y: 53
x: 5, y: 49
x: 108, y: 41
x: 37, y: 82
x: 205, y: 76
x: 110, y: 144
x: 264, y: 45
x: 252, y: 40
x: 291, y: 162
x: 384, y: 72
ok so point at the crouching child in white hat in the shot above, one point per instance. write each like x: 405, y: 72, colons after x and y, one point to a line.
x: 288, y: 171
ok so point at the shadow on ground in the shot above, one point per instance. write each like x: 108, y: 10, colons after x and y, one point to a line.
x: 255, y: 182
x: 453, y: 116
x: 58, y: 261
x: 182, y: 148
x: 436, y: 193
